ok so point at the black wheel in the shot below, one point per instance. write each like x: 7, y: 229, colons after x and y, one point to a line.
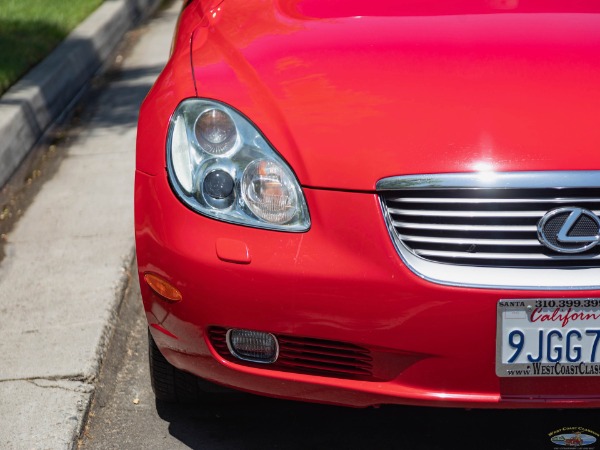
x: 173, y: 385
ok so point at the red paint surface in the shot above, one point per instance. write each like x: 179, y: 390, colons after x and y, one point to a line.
x: 233, y: 250
x: 408, y: 88
x: 349, y: 100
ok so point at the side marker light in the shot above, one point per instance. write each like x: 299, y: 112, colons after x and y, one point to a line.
x: 163, y: 288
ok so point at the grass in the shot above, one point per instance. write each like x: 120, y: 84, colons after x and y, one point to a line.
x: 30, y: 29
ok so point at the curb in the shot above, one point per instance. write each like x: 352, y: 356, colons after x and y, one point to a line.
x: 46, y: 93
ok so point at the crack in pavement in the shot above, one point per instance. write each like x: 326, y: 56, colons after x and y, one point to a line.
x: 78, y: 387
x: 65, y: 378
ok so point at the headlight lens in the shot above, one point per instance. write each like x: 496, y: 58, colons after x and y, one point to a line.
x: 221, y: 166
x: 216, y: 132
x: 269, y: 192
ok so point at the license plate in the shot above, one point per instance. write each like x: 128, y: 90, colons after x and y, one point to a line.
x: 548, y: 337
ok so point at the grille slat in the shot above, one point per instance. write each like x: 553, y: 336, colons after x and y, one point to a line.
x: 492, y: 200
x: 470, y: 241
x: 488, y: 226
x: 505, y: 256
x: 456, y: 227
x: 325, y: 358
x: 469, y: 214
x: 314, y: 367
x: 319, y: 345
x: 293, y: 350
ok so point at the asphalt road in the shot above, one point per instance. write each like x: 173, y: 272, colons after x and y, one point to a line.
x: 125, y: 415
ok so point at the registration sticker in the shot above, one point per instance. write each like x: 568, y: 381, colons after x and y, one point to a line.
x: 548, y: 337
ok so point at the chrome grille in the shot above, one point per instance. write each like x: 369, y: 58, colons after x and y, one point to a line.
x: 484, y: 223
x: 491, y: 227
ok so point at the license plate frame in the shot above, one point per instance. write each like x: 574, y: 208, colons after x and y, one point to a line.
x: 533, y: 321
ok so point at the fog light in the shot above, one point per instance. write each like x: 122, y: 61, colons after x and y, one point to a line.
x: 253, y: 346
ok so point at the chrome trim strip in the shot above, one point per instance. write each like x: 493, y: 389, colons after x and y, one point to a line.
x: 499, y: 180
x: 449, y: 227
x: 438, y: 213
x: 507, y: 256
x: 478, y: 201
x: 491, y: 277
x: 467, y: 241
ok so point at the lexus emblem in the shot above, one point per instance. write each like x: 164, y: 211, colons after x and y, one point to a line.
x: 569, y: 230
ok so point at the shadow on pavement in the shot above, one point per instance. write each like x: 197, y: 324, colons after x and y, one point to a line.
x: 128, y: 89
x: 255, y: 423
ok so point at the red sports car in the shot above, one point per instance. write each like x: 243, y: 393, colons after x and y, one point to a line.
x: 365, y: 203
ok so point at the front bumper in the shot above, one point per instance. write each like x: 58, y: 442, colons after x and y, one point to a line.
x: 340, y: 281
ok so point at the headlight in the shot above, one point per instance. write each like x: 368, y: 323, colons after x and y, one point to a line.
x: 221, y: 166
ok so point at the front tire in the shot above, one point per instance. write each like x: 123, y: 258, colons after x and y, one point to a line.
x: 173, y: 385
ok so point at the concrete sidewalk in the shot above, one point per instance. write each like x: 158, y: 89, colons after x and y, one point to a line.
x: 68, y: 261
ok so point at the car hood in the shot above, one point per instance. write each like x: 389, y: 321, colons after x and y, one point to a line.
x: 350, y: 92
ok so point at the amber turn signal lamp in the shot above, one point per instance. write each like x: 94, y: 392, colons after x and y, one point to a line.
x: 163, y: 288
